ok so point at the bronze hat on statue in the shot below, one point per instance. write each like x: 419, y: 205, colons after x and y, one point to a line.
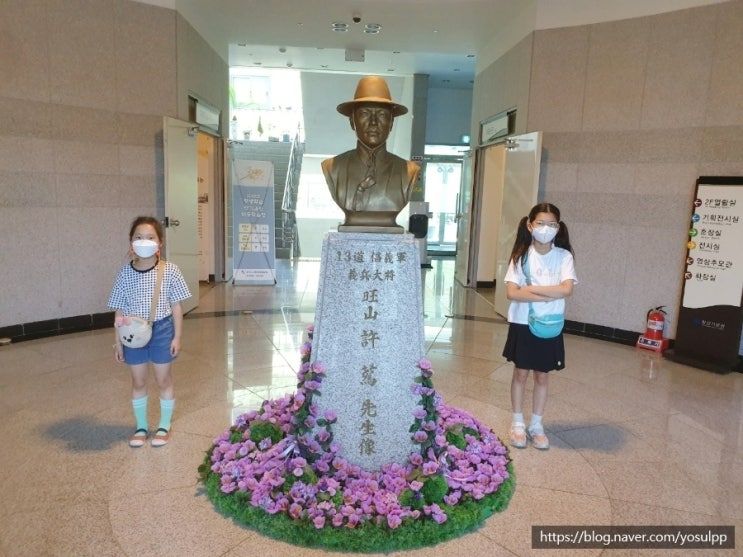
x: 372, y: 89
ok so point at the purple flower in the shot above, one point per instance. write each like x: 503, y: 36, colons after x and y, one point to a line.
x: 394, y: 520
x: 420, y: 436
x: 430, y: 468
x: 319, y: 522
x: 424, y: 363
x: 295, y: 511
x: 330, y: 415
x: 419, y: 413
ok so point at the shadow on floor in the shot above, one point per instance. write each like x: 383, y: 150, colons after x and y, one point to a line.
x: 87, y: 434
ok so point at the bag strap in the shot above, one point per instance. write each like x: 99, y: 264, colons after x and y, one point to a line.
x: 527, y: 274
x: 156, y: 294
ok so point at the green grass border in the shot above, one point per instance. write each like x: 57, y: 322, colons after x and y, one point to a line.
x: 368, y: 537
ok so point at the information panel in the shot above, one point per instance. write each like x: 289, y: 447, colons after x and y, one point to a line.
x: 710, y: 316
x: 253, y: 222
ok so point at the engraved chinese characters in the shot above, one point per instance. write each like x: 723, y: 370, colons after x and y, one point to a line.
x: 369, y: 337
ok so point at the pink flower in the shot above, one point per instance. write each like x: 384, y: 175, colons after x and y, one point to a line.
x: 319, y: 522
x: 394, y: 520
x: 420, y: 436
x: 295, y: 511
x: 430, y: 468
x: 424, y: 363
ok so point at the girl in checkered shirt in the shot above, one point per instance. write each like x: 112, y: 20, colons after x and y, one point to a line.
x: 132, y: 296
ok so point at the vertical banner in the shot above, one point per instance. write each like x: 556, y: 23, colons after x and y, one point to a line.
x: 253, y: 222
x: 710, y: 316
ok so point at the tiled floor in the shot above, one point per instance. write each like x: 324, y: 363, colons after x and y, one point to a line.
x: 636, y: 440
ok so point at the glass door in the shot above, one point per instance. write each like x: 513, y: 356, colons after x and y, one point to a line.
x: 442, y: 176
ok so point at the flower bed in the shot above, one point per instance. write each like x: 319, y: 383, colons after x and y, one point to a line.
x: 278, y: 470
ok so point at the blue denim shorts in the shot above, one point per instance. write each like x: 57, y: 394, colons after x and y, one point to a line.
x: 157, y: 350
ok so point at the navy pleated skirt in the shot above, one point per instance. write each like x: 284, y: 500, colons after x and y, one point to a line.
x: 527, y: 351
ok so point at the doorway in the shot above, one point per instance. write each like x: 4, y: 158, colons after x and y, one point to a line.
x: 442, y: 177
x: 501, y: 185
x: 194, y: 204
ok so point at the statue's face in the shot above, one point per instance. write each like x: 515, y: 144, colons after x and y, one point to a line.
x: 372, y: 124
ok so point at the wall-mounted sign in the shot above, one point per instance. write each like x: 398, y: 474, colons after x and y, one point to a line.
x: 496, y: 127
x: 711, y: 312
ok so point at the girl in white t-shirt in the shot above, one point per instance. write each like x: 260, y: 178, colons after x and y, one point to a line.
x: 543, y: 239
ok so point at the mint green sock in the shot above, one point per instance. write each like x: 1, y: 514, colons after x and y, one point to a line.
x: 139, y: 405
x: 166, y: 413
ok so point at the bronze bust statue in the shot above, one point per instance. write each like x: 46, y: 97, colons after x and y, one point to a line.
x: 368, y: 183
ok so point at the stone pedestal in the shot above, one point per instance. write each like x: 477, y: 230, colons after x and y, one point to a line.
x: 369, y: 336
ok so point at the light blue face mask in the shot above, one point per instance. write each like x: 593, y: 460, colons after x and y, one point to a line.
x: 544, y: 234
x: 145, y: 248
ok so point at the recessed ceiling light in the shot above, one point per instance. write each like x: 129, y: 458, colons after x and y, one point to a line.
x: 372, y: 28
x: 339, y: 27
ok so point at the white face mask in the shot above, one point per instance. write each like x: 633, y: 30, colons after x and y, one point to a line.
x: 145, y: 248
x: 544, y: 234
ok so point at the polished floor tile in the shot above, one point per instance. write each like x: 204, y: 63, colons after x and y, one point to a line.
x: 636, y: 439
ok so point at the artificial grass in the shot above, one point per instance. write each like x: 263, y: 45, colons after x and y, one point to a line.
x: 368, y: 537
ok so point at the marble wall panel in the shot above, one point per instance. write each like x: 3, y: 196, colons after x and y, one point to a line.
x: 617, y: 56
x: 724, y: 105
x: 680, y: 54
x: 81, y: 47
x: 24, y: 63
x: 558, y: 79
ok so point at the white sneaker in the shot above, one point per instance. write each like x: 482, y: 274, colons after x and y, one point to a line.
x: 538, y: 438
x: 518, y: 435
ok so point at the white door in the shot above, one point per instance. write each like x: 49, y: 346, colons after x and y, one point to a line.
x: 520, y: 189
x: 181, y: 202
x: 464, y: 208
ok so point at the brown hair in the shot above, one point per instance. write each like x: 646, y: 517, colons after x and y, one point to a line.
x: 156, y: 224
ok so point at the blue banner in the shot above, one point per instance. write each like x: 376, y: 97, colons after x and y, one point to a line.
x: 253, y: 223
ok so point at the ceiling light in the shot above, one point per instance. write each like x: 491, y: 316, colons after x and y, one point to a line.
x: 372, y: 28
x: 339, y: 27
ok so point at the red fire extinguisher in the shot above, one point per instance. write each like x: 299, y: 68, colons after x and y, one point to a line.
x: 653, y: 339
x: 656, y: 323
